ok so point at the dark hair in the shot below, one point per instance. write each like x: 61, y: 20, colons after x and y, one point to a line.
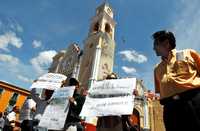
x: 112, y: 76
x: 163, y: 35
x: 73, y: 82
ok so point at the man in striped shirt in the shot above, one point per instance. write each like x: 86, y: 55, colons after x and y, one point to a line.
x: 177, y: 79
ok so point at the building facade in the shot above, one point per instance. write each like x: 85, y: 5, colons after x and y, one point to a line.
x: 11, y: 95
x: 67, y: 61
x: 156, y: 115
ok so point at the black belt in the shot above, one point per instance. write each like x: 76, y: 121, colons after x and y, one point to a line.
x: 187, y: 95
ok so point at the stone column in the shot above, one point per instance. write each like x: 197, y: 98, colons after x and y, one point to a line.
x: 146, y: 115
x: 95, y: 66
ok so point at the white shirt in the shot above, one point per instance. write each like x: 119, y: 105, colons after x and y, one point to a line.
x: 26, y: 111
x: 11, y: 117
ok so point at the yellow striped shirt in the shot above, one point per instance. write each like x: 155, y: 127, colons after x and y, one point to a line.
x: 173, y: 76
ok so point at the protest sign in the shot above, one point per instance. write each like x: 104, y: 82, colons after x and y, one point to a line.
x: 115, y: 86
x: 49, y: 81
x: 56, y: 112
x: 110, y: 97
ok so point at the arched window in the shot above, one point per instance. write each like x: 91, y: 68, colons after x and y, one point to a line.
x: 107, y: 28
x: 96, y: 27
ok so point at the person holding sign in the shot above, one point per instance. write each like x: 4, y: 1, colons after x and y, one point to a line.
x: 76, y: 104
x: 109, y: 123
x: 177, y: 79
x: 48, y: 82
x: 41, y: 103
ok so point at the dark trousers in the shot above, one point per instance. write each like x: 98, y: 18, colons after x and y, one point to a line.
x: 27, y: 125
x: 183, y: 114
x: 7, y: 128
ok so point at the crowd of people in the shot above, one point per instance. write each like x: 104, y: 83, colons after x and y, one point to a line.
x: 31, y: 112
x: 9, y: 122
x: 34, y: 107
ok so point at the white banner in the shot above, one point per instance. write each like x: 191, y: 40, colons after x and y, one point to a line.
x: 56, y: 112
x: 114, y: 86
x: 110, y: 97
x: 49, y: 81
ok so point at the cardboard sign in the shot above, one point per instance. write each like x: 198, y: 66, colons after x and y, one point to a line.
x: 56, y: 112
x: 110, y: 97
x: 49, y: 81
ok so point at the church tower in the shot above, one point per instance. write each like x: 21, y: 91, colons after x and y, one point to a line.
x: 99, y: 47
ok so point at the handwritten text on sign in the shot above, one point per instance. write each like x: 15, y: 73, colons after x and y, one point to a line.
x: 55, y: 114
x: 49, y: 81
x: 110, y: 97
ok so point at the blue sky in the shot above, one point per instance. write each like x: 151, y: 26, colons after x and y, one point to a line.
x: 31, y: 32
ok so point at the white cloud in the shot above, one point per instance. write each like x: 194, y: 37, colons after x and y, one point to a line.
x: 24, y: 79
x: 128, y: 70
x: 186, y: 24
x: 36, y: 43
x: 133, y: 56
x: 9, y: 59
x: 14, y: 68
x: 42, y: 61
x: 9, y: 38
